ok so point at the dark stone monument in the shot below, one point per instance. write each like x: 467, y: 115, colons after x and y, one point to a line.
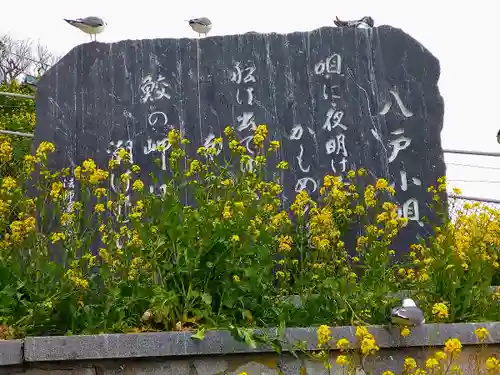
x: 336, y: 99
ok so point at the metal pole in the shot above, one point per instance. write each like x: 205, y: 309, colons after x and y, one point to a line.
x: 17, y: 133
x: 17, y: 95
x: 463, y: 152
x: 467, y: 198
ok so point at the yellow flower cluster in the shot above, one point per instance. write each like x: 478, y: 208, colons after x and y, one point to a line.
x: 75, y: 276
x: 5, y: 150
x: 89, y: 172
x: 367, y: 341
x: 324, y: 335
x: 409, y: 364
x: 492, y: 365
x: 453, y: 347
x: 342, y: 360
x: 20, y: 229
x: 260, y: 135
x: 322, y: 228
x: 440, y: 310
x: 302, y: 200
x: 481, y: 333
x: 285, y: 244
x: 343, y: 344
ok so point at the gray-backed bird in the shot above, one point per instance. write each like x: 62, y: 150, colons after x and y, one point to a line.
x: 89, y: 25
x: 200, y: 25
x: 408, y: 314
x: 365, y: 22
x: 498, y: 136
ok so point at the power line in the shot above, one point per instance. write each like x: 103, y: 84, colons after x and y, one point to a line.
x: 466, y: 152
x: 478, y: 181
x: 473, y: 166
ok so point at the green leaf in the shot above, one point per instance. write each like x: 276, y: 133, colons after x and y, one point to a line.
x: 207, y: 298
x: 249, y: 340
x: 199, y: 335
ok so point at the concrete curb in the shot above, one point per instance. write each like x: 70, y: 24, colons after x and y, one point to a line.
x: 11, y: 352
x: 174, y: 344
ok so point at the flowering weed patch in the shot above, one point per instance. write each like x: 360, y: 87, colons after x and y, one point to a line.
x: 228, y: 260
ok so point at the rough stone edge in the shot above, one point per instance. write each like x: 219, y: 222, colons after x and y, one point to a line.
x: 11, y: 352
x: 172, y: 344
x: 110, y: 45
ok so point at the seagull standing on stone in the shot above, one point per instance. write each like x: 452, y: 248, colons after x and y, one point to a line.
x: 365, y: 22
x: 200, y: 25
x: 89, y: 25
x: 408, y: 314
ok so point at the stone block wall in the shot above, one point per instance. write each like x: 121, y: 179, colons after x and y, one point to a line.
x: 178, y: 354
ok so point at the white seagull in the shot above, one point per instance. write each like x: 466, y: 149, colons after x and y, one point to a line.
x: 89, y: 25
x: 364, y: 23
x: 408, y: 314
x: 200, y: 25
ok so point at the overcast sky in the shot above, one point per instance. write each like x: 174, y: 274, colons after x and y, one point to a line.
x: 461, y: 34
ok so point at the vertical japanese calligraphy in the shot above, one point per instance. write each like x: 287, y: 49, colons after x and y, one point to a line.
x: 243, y: 77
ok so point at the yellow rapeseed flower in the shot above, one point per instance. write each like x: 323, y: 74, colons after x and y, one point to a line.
x: 285, y: 243
x: 57, y: 236
x: 431, y: 363
x: 410, y: 363
x: 342, y: 344
x: 440, y: 310
x: 361, y: 172
x: 492, y: 365
x: 324, y: 335
x: 9, y: 183
x: 226, y: 213
x: 387, y: 372
x: 298, y: 207
x: 125, y: 177
x: 342, y: 360
x: 174, y: 137
x: 481, y: 333
x: 56, y: 190
x: 381, y: 184
x: 67, y: 218
x: 260, y: 135
x: 89, y: 166
x: 439, y: 355
x: 6, y: 151
x: 228, y: 131
x: 282, y: 165
x: 362, y: 332
x: 99, y: 207
x: 138, y: 185
x: 76, y: 277
x: 368, y: 345
x: 44, y: 149
x: 369, y: 196
x: 453, y: 347
x: 405, y: 331
x: 274, y: 146
x: 100, y: 192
